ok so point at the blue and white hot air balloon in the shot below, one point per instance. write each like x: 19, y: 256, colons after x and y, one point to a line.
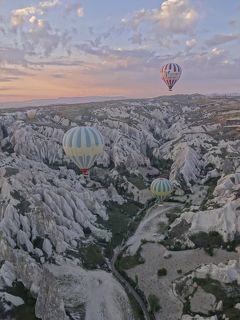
x: 161, y: 188
x: 83, y: 145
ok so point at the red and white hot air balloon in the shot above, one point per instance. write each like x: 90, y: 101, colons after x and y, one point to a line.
x: 170, y: 74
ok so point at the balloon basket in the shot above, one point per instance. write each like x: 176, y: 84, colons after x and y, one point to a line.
x: 84, y: 172
x: 159, y: 203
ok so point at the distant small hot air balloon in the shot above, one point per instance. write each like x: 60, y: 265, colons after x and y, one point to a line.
x: 31, y: 114
x: 83, y: 145
x: 161, y: 188
x: 170, y: 74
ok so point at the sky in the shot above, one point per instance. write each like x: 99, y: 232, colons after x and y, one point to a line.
x: 64, y: 48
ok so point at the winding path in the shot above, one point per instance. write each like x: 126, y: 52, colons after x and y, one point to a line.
x: 127, y: 286
x: 123, y: 281
x: 148, y: 218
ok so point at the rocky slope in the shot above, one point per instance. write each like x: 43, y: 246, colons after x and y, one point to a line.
x: 56, y: 225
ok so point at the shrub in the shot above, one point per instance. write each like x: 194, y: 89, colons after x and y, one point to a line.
x: 162, y: 272
x: 153, y: 303
x: 136, y: 280
x: 205, y: 240
x: 209, y: 250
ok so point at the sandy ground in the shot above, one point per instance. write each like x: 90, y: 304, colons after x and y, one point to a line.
x: 148, y: 229
x: 150, y: 283
x: 188, y: 260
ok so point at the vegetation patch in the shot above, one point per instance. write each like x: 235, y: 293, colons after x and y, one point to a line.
x: 137, y: 310
x: 162, y: 227
x: 231, y: 245
x: 183, y: 184
x: 153, y: 302
x: 212, y: 183
x: 179, y: 229
x: 38, y: 242
x: 162, y: 272
x: 118, y: 222
x: 187, y: 307
x: 8, y: 147
x: 25, y: 311
x: 173, y: 239
x: 163, y: 165
x: 80, y: 309
x: 228, y: 293
x: 207, y: 241
x: 129, y: 262
x: 92, y: 257
x: 137, y: 181
x: 69, y: 165
x: 173, y: 214
x: 23, y: 206
x: 10, y: 171
x: 133, y: 284
x: 209, y: 167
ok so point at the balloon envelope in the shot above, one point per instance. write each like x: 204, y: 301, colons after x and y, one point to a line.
x: 31, y: 114
x: 83, y: 145
x: 170, y: 74
x: 161, y: 188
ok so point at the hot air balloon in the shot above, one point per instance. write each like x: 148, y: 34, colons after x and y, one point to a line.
x: 161, y: 188
x: 170, y: 74
x: 31, y: 114
x: 83, y: 145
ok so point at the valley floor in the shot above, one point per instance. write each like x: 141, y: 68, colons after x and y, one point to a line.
x: 162, y: 287
x: 178, y: 264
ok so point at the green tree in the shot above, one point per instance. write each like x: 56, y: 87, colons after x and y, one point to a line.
x: 153, y: 303
x: 136, y: 279
x: 162, y: 272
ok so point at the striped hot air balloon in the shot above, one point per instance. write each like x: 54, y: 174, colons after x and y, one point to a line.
x: 31, y: 114
x: 161, y: 188
x: 83, y: 145
x: 170, y: 74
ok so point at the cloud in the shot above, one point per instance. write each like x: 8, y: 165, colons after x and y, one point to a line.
x: 80, y: 11
x: 91, y: 31
x: 10, y: 74
x: 49, y: 4
x: 125, y: 60
x: 44, y: 40
x: 138, y: 18
x: 7, y: 78
x: 173, y: 16
x: 191, y: 43
x: 5, y: 88
x: 222, y: 38
x: 37, y: 23
x: 210, y: 64
x: 19, y: 16
x: 37, y: 37
x: 216, y: 51
x: 59, y: 62
x: 43, y: 45
x: 58, y: 75
x: 233, y: 23
x: 12, y: 56
x: 3, y: 30
x: 136, y: 38
x: 75, y: 8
